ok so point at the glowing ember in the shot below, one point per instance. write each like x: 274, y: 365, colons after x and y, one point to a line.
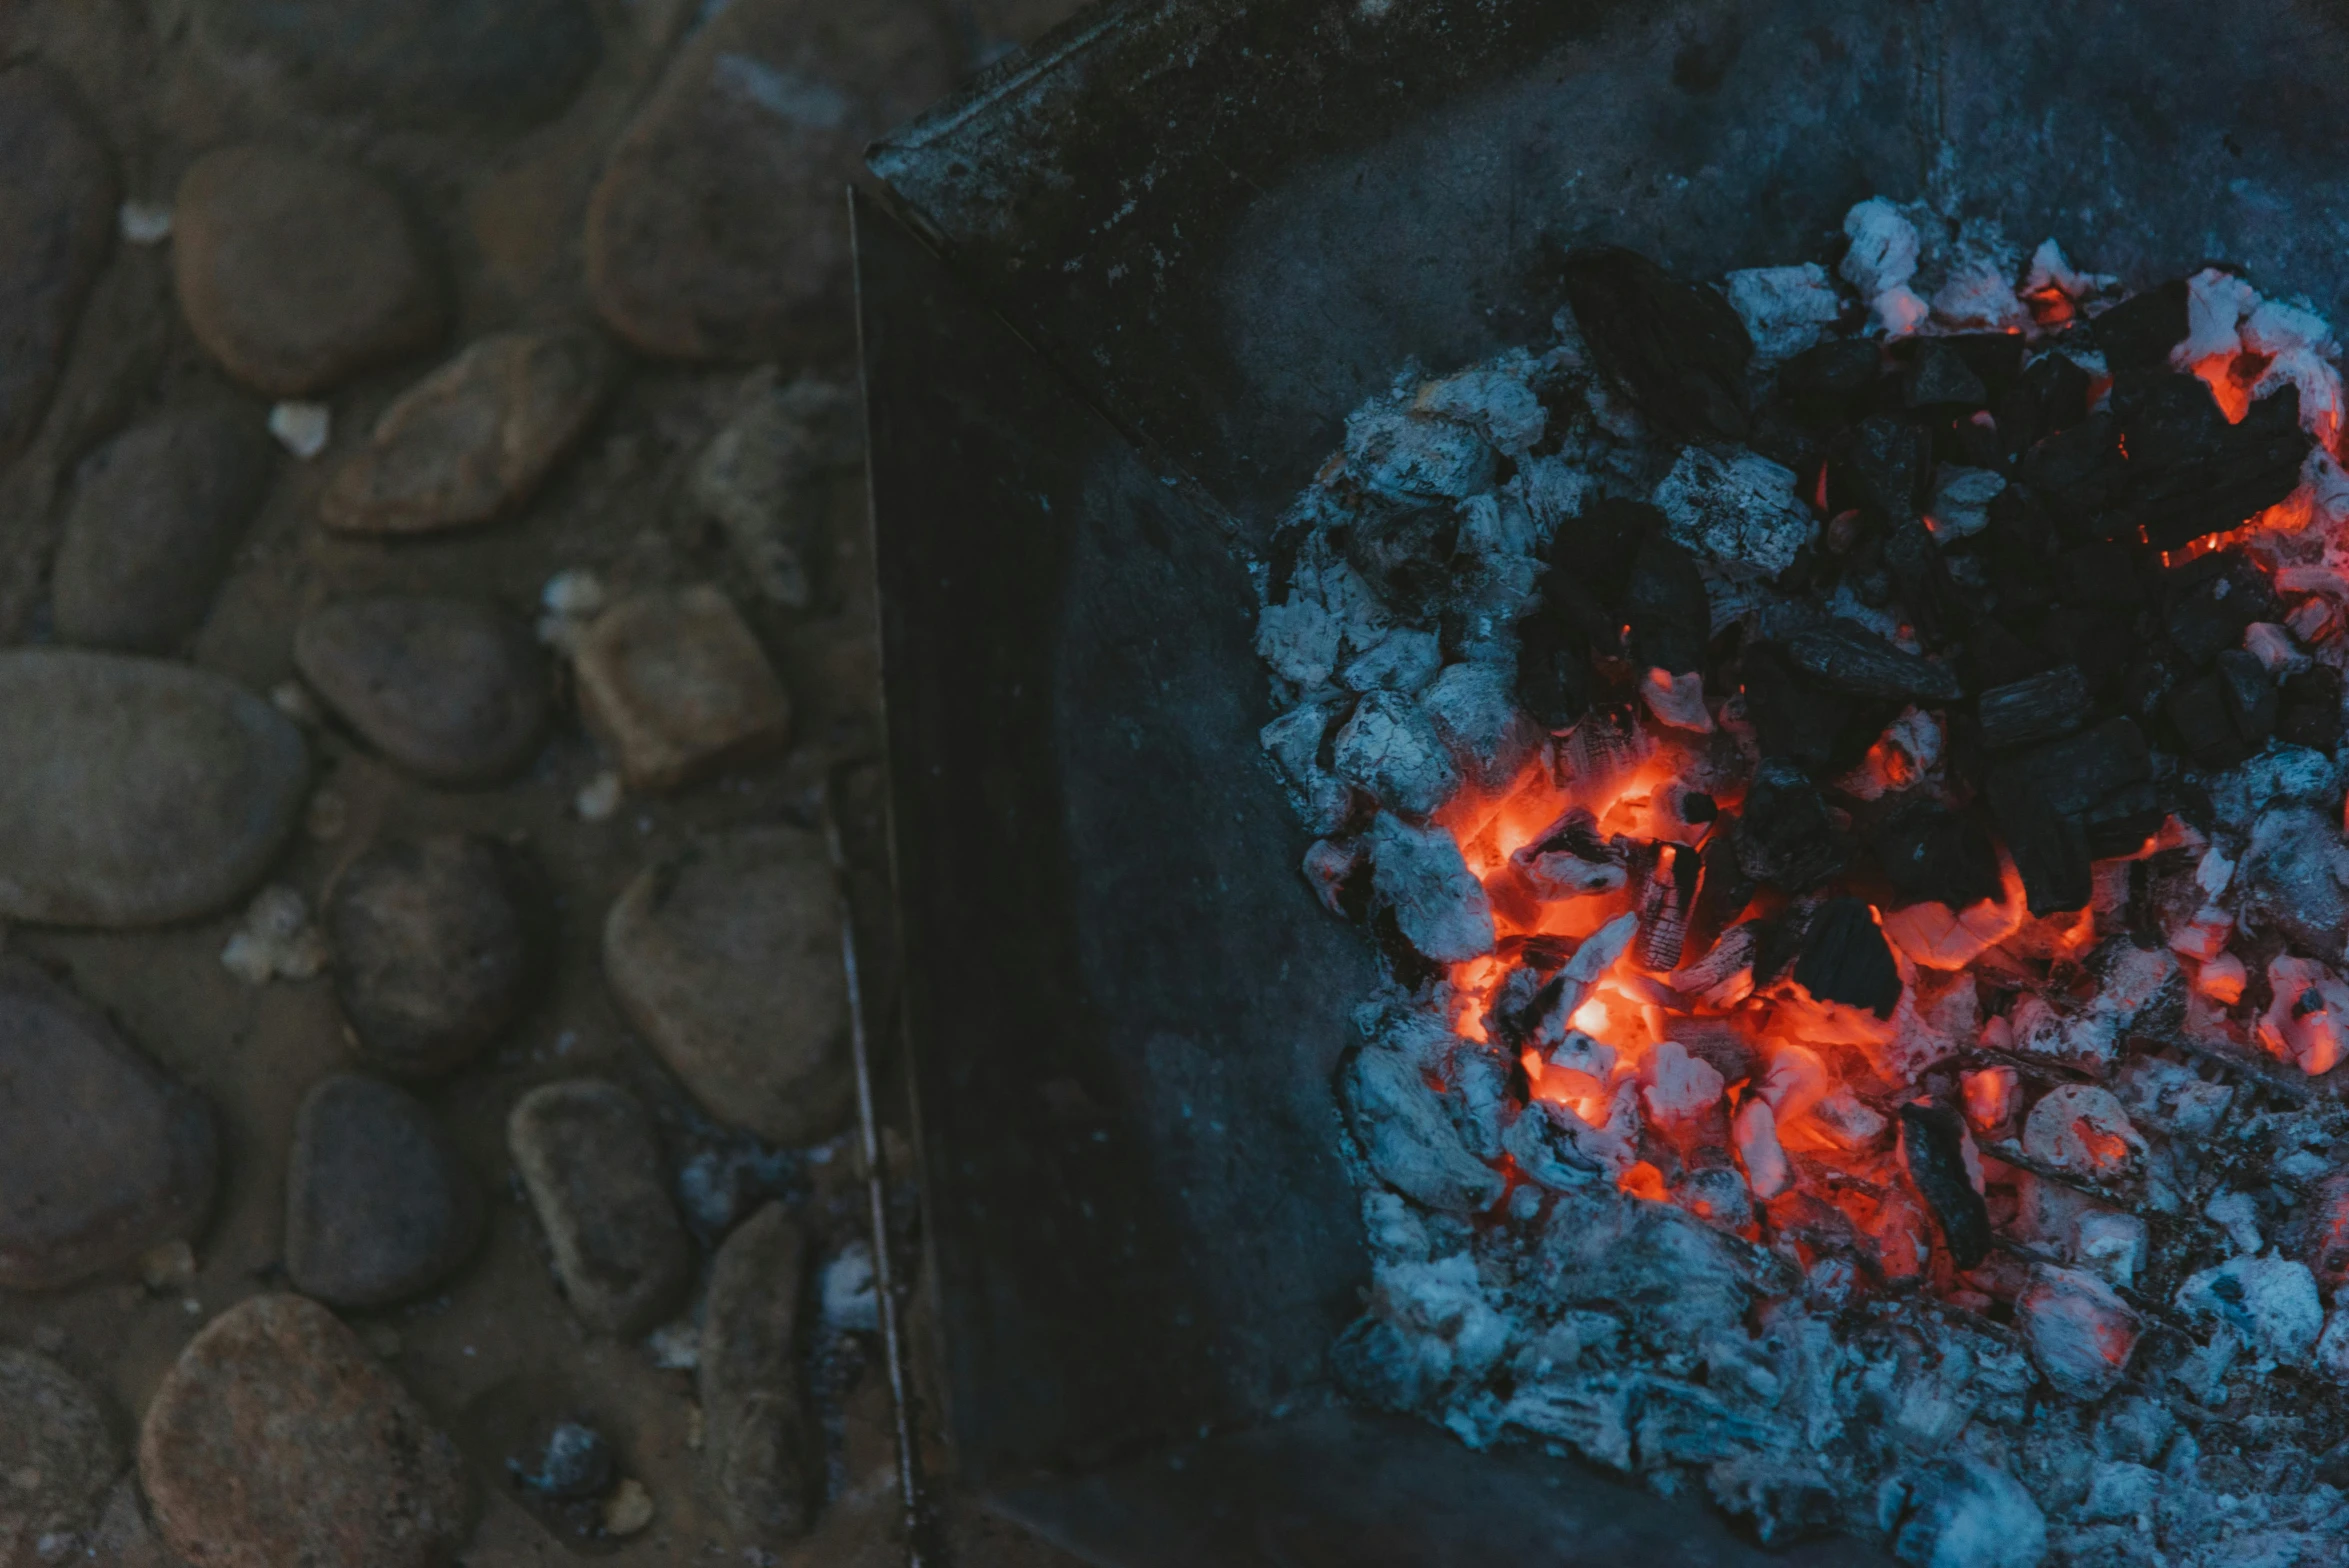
x: 1854, y: 882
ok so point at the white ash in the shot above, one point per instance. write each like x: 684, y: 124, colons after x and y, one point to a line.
x: 1521, y: 1293
x: 1739, y: 511
x: 1784, y: 308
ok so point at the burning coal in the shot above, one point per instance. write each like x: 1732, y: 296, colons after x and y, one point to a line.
x: 1846, y: 775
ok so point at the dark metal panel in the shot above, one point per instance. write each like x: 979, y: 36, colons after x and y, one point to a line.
x: 1345, y: 1489
x: 1232, y: 220
x: 1138, y: 1222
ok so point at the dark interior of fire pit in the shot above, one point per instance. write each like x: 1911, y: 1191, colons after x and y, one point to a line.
x: 1178, y: 247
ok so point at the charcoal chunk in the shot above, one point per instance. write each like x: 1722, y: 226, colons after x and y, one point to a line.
x: 1849, y: 658
x: 2050, y: 848
x: 1597, y: 547
x: 1938, y: 376
x: 2074, y: 773
x: 1555, y: 683
x: 2120, y: 823
x: 1933, y: 1140
x: 1931, y: 853
x: 1676, y: 350
x: 2190, y: 473
x: 2309, y: 710
x: 2038, y: 707
x: 2000, y: 657
x: 2051, y: 395
x: 2251, y: 695
x: 1846, y: 959
x: 1665, y: 606
x: 1831, y: 384
x: 2198, y: 711
x: 1880, y: 465
x: 1785, y: 836
x: 1920, y: 573
x: 2138, y: 333
x: 2212, y: 599
x: 1725, y: 889
x: 1793, y: 716
x: 2080, y: 470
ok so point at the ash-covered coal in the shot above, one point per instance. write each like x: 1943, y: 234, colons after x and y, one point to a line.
x: 1844, y: 766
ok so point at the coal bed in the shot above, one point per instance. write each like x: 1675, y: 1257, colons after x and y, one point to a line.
x: 1842, y: 766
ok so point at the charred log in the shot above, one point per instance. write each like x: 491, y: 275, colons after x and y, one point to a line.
x: 1849, y: 658
x: 1880, y: 465
x: 1676, y: 350
x: 1792, y: 716
x: 1785, y: 836
x: 2038, y: 707
x: 2080, y: 470
x: 1845, y: 958
x: 2139, y: 333
x: 1931, y: 853
x: 1933, y: 1142
x: 1665, y: 607
x: 2190, y: 472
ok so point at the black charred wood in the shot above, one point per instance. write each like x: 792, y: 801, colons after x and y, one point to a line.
x: 1933, y: 1142
x: 1995, y: 358
x: 2104, y: 573
x: 2120, y: 823
x: 1676, y: 350
x: 1555, y: 681
x: 2309, y: 712
x: 1725, y: 890
x: 2251, y: 695
x: 1793, y: 717
x: 1597, y: 547
x: 1920, y: 574
x: 2051, y: 395
x: 2038, y: 707
x: 1932, y: 854
x: 2000, y: 656
x: 1833, y: 383
x: 1937, y: 376
x: 2080, y: 470
x: 1849, y: 658
x: 2212, y: 599
x: 1880, y: 465
x: 1785, y: 836
x: 2074, y: 773
x: 2190, y: 472
x: 2098, y: 638
x: 2149, y: 679
x: 2198, y: 713
x: 2050, y: 850
x: 1665, y: 606
x: 2020, y: 547
x: 2139, y: 332
x: 1846, y: 959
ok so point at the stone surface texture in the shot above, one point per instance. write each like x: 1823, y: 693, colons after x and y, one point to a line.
x: 298, y: 271
x: 157, y: 513
x: 440, y: 944
x: 380, y: 1205
x: 473, y: 439
x: 277, y: 1440
x: 133, y: 791
x: 57, y: 1457
x: 761, y: 1445
x: 102, y: 1156
x: 591, y: 1164
x: 676, y: 686
x: 453, y: 690
x: 57, y: 209
x: 411, y: 60
x: 717, y: 229
x: 726, y: 957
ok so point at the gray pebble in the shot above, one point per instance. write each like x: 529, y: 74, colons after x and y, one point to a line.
x: 379, y: 1204
x: 452, y: 690
x: 592, y: 1166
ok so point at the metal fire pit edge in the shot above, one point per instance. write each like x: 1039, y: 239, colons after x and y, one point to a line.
x: 1115, y: 303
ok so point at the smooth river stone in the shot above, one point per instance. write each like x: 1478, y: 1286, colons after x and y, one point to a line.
x: 57, y: 212
x: 452, y: 690
x: 102, y: 1155
x: 135, y: 791
x: 277, y: 1440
